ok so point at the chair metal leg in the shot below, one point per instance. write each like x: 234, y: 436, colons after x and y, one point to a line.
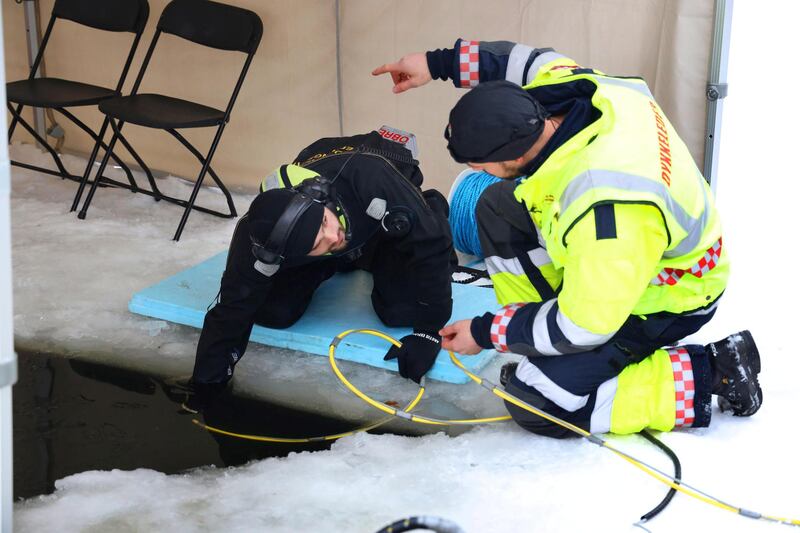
x: 14, y: 120
x: 211, y: 172
x: 198, y: 183
x: 157, y: 195
x: 88, y: 170
x: 97, y: 178
x: 99, y: 138
x: 43, y: 142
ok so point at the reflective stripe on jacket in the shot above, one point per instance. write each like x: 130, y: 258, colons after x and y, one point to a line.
x: 630, y: 155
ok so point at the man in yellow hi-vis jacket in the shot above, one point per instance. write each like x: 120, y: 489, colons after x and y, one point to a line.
x: 609, y: 248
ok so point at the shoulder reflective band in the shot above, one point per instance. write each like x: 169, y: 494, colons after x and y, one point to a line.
x: 540, y: 61
x: 591, y: 179
x: 285, y: 177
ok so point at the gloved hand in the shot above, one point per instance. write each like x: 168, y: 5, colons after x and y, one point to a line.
x: 417, y: 353
x: 199, y: 396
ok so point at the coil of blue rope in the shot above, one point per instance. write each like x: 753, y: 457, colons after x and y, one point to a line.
x: 464, y: 194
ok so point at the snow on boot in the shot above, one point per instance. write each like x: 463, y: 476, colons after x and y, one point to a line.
x: 736, y: 364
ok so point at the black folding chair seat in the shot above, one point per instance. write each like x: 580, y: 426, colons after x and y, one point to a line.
x: 163, y: 112
x: 55, y: 92
x: 119, y: 16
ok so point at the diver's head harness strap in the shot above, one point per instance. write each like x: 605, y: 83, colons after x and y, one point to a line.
x: 396, y: 222
x: 312, y: 190
x: 271, y: 251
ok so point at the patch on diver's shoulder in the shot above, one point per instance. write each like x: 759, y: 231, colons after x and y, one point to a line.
x: 407, y: 139
x: 377, y: 208
x: 264, y: 268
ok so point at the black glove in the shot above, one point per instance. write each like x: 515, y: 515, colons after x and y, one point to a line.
x: 417, y: 354
x: 200, y: 396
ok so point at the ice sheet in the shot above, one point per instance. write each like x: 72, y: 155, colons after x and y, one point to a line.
x: 72, y: 280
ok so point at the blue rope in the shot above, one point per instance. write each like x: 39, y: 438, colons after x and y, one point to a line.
x: 463, y: 201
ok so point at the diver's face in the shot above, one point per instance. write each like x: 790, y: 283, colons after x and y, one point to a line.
x: 330, y: 238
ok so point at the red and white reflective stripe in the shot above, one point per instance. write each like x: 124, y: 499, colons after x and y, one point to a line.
x: 562, y: 67
x: 468, y: 63
x: 671, y: 276
x: 497, y: 333
x: 684, y: 386
x: 708, y: 261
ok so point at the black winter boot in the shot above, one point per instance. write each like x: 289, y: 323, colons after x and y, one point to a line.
x: 736, y: 363
x: 193, y: 397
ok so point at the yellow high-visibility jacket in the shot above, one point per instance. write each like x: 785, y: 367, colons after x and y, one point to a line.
x: 625, y: 216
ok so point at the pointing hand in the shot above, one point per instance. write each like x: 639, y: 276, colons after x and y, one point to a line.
x: 409, y: 72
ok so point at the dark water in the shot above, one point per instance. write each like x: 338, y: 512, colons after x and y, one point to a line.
x: 71, y: 416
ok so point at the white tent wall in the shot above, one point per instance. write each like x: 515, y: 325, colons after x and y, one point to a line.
x: 665, y: 41
x: 291, y: 95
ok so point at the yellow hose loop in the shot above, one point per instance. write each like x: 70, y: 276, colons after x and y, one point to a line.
x: 302, y: 440
x: 683, y: 488
x: 385, y: 408
x: 405, y: 413
x: 325, y: 438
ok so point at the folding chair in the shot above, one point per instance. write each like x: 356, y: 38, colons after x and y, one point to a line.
x: 55, y: 93
x: 204, y: 22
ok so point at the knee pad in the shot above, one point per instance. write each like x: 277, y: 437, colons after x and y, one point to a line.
x: 531, y: 421
x: 278, y: 318
x: 393, y: 314
x: 282, y: 322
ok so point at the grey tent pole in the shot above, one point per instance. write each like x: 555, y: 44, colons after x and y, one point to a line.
x: 717, y: 88
x: 339, y: 97
x: 32, y: 39
x: 8, y: 359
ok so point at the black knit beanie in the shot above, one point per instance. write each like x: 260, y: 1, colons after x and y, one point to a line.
x: 266, y: 210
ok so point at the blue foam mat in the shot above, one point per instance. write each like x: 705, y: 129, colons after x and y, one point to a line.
x: 341, y: 303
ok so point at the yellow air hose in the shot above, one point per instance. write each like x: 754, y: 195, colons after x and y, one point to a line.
x: 402, y: 413
x: 301, y: 440
x: 663, y: 477
x: 385, y: 408
x: 406, y: 414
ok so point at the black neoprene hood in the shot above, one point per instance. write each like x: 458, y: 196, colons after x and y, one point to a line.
x: 266, y: 210
x: 495, y: 121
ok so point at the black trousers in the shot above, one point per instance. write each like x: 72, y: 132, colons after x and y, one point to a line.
x: 393, y: 292
x: 583, y: 373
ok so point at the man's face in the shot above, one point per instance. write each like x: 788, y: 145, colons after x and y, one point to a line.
x: 330, y: 237
x: 513, y: 169
x: 500, y: 169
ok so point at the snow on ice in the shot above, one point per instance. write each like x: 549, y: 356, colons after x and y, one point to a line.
x: 72, y: 279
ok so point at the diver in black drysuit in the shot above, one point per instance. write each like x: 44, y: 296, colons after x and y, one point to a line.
x: 408, y: 249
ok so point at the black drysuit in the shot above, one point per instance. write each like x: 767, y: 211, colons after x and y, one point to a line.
x: 411, y: 271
